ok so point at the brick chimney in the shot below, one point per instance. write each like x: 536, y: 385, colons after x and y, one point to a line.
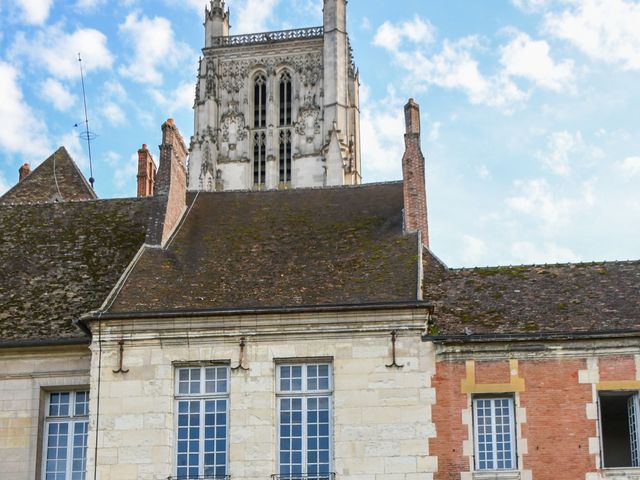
x: 415, y: 194
x: 23, y: 172
x: 146, y: 172
x: 171, y: 182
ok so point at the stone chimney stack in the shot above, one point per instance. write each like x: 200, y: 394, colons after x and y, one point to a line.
x: 415, y: 194
x: 23, y: 172
x: 146, y: 172
x: 216, y: 22
x: 171, y: 181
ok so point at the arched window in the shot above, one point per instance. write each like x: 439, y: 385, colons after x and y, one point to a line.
x: 260, y: 102
x: 285, y: 99
x: 259, y: 159
x: 285, y: 156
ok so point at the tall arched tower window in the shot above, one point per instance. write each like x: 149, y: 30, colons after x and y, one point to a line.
x: 285, y: 156
x: 285, y: 99
x: 259, y: 159
x: 260, y: 102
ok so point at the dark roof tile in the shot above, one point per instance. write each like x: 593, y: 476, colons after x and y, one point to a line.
x: 283, y: 248
x: 57, y: 179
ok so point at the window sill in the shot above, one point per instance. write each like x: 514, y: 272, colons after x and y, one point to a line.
x: 629, y: 473
x: 497, y: 475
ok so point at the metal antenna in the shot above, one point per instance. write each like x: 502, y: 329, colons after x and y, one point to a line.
x: 87, y: 134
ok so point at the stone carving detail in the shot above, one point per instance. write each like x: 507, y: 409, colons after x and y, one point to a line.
x: 310, y: 69
x: 210, y: 80
x: 308, y: 124
x: 233, y: 75
x: 232, y: 125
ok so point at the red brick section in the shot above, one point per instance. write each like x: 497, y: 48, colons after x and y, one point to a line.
x: 615, y: 369
x: 171, y: 182
x: 447, y: 417
x: 415, y: 196
x: 146, y: 172
x: 557, y: 428
x: 23, y: 171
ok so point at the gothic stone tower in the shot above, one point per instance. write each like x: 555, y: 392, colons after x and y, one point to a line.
x: 277, y: 109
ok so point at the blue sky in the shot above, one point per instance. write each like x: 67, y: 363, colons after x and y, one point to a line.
x: 530, y: 107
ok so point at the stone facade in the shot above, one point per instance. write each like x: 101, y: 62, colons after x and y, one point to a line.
x: 27, y: 374
x: 301, y: 129
x: 381, y: 415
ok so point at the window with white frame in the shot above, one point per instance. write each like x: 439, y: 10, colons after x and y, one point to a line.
x: 620, y: 429
x: 202, y: 411
x: 494, y: 433
x: 65, y: 436
x: 304, y: 420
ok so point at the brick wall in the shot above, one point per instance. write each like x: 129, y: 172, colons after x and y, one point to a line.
x: 556, y: 413
x: 413, y: 174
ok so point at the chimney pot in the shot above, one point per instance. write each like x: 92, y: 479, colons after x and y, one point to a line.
x: 146, y: 172
x: 24, y: 171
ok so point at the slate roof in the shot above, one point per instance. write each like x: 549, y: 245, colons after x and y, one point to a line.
x: 56, y: 179
x: 533, y: 300
x: 252, y: 250
x: 61, y: 260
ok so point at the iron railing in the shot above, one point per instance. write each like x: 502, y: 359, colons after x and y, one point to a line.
x: 268, y: 37
x: 305, y: 476
x: 202, y: 477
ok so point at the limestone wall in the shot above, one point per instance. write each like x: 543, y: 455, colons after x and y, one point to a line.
x: 381, y: 415
x: 25, y: 377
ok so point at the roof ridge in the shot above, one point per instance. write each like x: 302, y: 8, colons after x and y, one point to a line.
x: 302, y: 189
x: 559, y: 264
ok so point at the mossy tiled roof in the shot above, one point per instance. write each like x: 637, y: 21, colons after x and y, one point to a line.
x: 536, y: 299
x: 61, y: 260
x: 57, y: 179
x: 283, y: 248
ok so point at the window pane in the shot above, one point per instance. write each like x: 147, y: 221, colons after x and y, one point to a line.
x: 495, y: 444
x: 318, y: 444
x: 290, y: 436
x: 57, y: 441
x: 81, y: 404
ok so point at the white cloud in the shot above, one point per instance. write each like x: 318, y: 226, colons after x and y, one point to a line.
x: 630, y: 166
x: 566, y: 150
x: 89, y: 4
x: 474, y: 250
x: 113, y: 113
x: 252, y: 15
x: 35, y: 12
x: 455, y: 68
x: 390, y: 36
x: 154, y: 46
x: 606, y: 30
x: 547, y: 252
x: 115, y: 89
x: 179, y: 99
x: 483, y: 172
x: 23, y: 132
x: 531, y: 59
x: 57, y: 94
x: 531, y: 5
x: 536, y: 199
x: 57, y: 51
x: 124, y: 171
x: 382, y: 136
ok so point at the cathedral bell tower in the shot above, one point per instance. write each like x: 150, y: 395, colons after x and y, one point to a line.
x: 276, y: 110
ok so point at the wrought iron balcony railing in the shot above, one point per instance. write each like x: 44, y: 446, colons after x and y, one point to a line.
x: 268, y: 37
x: 202, y: 477
x: 305, y: 476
